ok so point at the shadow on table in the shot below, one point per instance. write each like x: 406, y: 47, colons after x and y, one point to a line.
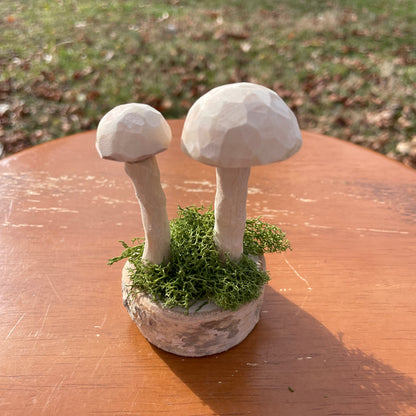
x: 292, y: 365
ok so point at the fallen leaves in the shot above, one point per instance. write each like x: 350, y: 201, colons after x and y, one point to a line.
x: 344, y: 73
x: 10, y: 19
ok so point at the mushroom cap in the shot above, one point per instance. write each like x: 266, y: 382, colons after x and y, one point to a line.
x: 240, y: 125
x: 132, y: 132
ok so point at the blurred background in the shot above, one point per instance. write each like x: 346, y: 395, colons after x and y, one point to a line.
x: 347, y: 68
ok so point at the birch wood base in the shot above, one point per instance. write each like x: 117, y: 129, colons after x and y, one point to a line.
x: 209, y: 330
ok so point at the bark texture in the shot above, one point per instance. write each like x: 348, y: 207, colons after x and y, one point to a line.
x: 205, y: 331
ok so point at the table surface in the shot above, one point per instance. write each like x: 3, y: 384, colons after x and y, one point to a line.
x: 337, y: 334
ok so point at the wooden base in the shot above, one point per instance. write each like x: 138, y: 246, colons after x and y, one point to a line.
x: 204, y: 330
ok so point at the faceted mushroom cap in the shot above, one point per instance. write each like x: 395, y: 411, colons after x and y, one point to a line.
x: 240, y: 125
x: 132, y: 132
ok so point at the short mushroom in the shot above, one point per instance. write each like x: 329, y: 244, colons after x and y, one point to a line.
x: 134, y: 133
x: 234, y: 127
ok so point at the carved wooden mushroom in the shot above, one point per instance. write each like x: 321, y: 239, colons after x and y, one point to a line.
x: 134, y: 133
x: 234, y: 127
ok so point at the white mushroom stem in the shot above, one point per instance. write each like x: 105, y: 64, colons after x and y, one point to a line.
x: 230, y: 211
x: 145, y: 176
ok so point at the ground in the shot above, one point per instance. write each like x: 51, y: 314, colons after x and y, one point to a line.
x: 347, y: 68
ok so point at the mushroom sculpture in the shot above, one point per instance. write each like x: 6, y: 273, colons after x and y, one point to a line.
x: 234, y: 127
x: 134, y: 133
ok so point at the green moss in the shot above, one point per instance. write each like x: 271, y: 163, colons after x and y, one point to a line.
x: 194, y: 271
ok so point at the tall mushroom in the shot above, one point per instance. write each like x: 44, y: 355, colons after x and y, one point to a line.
x: 234, y: 127
x: 134, y: 133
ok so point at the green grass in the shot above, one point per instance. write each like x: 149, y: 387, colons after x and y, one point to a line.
x: 346, y: 67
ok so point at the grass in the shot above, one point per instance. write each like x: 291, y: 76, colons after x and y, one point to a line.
x: 346, y: 67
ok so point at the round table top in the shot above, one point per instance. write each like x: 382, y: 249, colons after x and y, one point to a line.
x: 337, y: 333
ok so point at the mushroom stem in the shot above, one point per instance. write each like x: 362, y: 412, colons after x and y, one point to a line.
x: 145, y: 176
x: 230, y: 211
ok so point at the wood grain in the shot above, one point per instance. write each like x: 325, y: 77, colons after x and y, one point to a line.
x: 337, y: 334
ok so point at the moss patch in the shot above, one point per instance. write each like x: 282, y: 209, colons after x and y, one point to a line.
x: 194, y: 271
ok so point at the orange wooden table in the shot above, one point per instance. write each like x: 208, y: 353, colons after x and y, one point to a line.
x: 337, y: 334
